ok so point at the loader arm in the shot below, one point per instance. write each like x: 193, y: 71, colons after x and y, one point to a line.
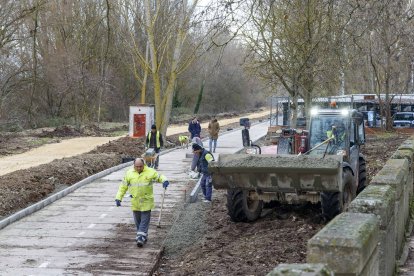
x: 282, y: 173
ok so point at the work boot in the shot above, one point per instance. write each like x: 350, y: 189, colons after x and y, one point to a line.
x: 141, y: 240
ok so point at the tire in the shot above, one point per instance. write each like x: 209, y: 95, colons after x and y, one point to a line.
x: 240, y: 208
x: 333, y: 203
x: 349, y: 192
x: 362, y: 176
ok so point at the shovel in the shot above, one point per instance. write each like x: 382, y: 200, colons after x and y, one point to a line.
x: 162, y: 204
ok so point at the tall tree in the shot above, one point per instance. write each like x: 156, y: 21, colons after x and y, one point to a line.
x: 291, y: 43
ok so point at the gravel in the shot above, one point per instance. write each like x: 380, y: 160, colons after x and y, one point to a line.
x: 188, y: 228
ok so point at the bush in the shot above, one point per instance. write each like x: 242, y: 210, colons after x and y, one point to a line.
x: 14, y: 126
x: 180, y: 115
x: 54, y: 122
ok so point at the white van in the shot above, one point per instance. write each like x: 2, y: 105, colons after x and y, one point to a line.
x: 403, y: 119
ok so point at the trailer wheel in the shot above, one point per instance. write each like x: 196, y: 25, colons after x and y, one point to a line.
x: 362, y: 176
x: 334, y: 203
x: 240, y: 208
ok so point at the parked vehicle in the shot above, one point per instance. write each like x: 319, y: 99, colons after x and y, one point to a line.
x: 403, y: 119
x: 301, y: 122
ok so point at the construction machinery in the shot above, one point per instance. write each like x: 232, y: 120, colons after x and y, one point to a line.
x: 321, y: 164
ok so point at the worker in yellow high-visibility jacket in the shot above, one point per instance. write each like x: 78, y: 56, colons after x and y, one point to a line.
x: 338, y: 132
x: 138, y: 182
x: 154, y: 140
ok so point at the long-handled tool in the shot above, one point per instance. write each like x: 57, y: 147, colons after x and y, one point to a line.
x: 162, y: 205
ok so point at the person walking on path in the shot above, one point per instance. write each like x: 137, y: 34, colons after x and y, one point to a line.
x: 154, y: 140
x: 213, y: 130
x: 194, y: 128
x: 204, y: 157
x: 138, y: 182
x: 197, y: 140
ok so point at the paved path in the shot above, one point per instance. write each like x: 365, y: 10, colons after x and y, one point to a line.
x: 176, y: 129
x: 84, y: 234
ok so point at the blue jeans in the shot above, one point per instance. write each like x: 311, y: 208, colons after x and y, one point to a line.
x: 142, y: 221
x: 206, y: 186
x: 212, y: 142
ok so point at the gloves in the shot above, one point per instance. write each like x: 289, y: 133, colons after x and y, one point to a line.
x: 165, y: 184
x: 194, y: 174
x: 118, y: 202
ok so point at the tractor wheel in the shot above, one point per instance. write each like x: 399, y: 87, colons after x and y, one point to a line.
x: 240, y: 208
x: 349, y: 192
x: 362, y: 176
x: 331, y: 205
x: 334, y: 203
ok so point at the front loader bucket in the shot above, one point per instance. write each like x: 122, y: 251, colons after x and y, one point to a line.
x: 281, y: 173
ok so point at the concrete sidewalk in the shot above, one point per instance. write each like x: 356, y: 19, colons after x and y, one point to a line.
x: 84, y: 233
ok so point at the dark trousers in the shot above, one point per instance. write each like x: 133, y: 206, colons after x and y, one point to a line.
x: 142, y: 221
x: 206, y: 186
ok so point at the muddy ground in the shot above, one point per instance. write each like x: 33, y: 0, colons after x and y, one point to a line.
x: 221, y: 247
x: 214, y: 245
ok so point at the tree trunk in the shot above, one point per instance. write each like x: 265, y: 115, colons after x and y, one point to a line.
x: 145, y: 78
x: 34, y: 68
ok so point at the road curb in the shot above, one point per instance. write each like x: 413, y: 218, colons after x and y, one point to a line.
x: 43, y: 203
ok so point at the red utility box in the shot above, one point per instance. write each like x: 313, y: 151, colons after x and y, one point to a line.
x: 141, y: 118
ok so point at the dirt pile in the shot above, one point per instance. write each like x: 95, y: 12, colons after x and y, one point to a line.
x: 229, y: 248
x: 245, y: 162
x: 22, y: 188
x: 125, y: 147
x: 69, y: 131
x: 379, y: 147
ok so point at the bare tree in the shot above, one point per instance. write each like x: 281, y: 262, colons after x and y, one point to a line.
x: 291, y: 44
x: 387, y: 48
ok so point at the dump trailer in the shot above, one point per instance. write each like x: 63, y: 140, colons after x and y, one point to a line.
x: 322, y: 164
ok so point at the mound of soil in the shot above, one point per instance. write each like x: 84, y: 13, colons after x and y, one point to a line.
x: 228, y: 248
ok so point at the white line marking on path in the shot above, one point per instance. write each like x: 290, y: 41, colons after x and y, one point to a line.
x: 43, y: 265
x: 102, y: 216
x: 81, y: 233
x: 92, y: 225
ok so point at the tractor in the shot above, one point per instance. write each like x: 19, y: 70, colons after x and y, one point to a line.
x: 321, y: 164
